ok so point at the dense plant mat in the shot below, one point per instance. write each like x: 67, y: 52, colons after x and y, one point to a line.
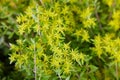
x: 68, y: 40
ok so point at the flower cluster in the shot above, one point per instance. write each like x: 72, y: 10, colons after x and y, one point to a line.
x: 60, y: 39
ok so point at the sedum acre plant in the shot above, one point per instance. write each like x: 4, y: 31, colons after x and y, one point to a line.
x: 68, y: 40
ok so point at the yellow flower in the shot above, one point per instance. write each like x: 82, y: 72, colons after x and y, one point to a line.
x: 49, y: 13
x: 109, y: 3
x: 89, y: 23
x: 55, y: 62
x: 65, y: 10
x: 58, y: 36
x: 14, y: 47
x: 22, y: 18
x: 22, y: 29
x: 50, y: 39
x: 115, y: 24
x: 19, y: 41
x: 86, y: 13
x: 116, y: 15
x: 75, y: 55
x: 19, y: 19
x: 67, y: 66
x: 66, y: 46
x: 97, y: 40
x: 85, y: 36
x: 45, y: 57
x: 29, y: 11
x: 78, y: 33
x: 57, y: 51
x: 13, y: 57
x: 25, y: 58
x: 37, y: 29
x: 59, y: 21
x: 19, y: 62
x: 98, y: 47
x: 98, y: 50
x: 82, y: 56
x: 60, y: 29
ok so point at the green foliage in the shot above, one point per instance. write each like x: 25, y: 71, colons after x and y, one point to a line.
x: 69, y: 40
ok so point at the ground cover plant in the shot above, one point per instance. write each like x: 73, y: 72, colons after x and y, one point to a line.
x: 68, y: 40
